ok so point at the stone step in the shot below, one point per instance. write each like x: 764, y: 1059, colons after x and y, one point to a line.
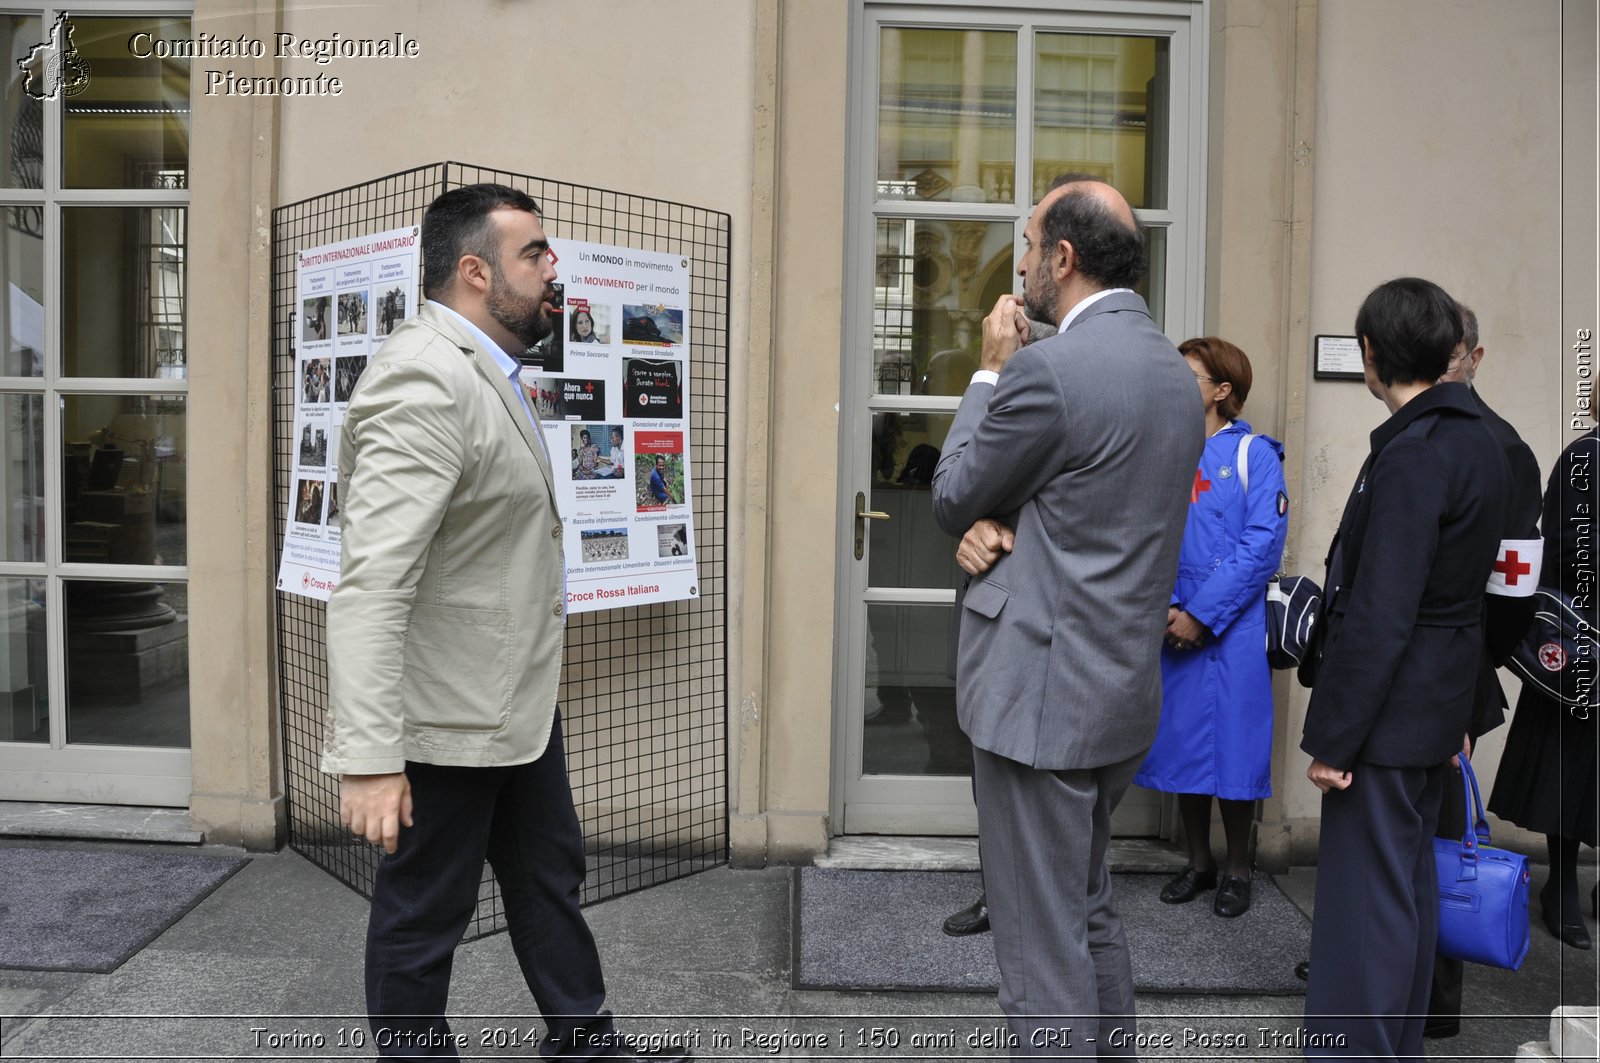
x: 1575, y: 1032
x: 863, y: 852
x: 119, y: 823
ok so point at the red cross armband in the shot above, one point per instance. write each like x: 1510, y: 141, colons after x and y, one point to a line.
x: 1516, y: 568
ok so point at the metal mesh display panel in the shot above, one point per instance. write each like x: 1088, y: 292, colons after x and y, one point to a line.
x: 644, y: 690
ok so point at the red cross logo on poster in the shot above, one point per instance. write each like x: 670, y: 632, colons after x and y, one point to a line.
x: 1552, y: 656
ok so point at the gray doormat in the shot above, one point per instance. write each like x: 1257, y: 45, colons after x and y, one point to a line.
x: 91, y: 909
x: 878, y: 930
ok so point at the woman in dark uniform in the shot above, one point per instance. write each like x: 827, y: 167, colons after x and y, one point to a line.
x: 1547, y: 773
x: 1394, y: 694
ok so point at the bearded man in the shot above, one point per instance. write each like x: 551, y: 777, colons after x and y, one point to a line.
x: 445, y: 637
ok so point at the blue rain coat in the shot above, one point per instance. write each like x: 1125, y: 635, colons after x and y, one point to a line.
x: 1215, y: 735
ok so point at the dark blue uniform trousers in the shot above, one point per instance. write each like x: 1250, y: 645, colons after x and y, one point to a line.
x: 1377, y: 915
x: 523, y: 821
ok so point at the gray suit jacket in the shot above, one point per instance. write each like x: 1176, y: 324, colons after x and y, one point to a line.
x: 1088, y: 448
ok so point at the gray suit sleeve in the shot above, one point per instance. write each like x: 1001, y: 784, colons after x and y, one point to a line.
x: 1004, y: 445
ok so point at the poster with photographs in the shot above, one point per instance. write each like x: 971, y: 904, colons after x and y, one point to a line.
x: 348, y: 297
x: 610, y: 387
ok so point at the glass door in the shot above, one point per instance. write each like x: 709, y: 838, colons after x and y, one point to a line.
x: 959, y: 129
x: 94, y: 650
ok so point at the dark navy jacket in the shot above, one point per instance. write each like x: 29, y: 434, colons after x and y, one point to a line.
x: 1406, y: 581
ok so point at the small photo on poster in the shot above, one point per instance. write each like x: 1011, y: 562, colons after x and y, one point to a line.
x: 346, y: 371
x: 308, y: 502
x: 652, y: 326
x: 315, y: 321
x: 333, y: 520
x: 658, y: 480
x: 549, y: 354
x: 391, y: 310
x: 588, y: 324
x: 313, y: 452
x: 545, y: 396
x: 672, y: 540
x: 353, y: 313
x: 605, y: 544
x: 651, y: 388
x: 315, y: 380
x: 599, y: 452
x: 583, y: 399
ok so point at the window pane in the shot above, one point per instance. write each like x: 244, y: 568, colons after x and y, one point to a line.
x: 127, y: 663
x: 24, y: 696
x: 123, y: 281
x: 22, y: 477
x: 910, y: 708
x: 129, y: 127
x: 22, y: 129
x: 947, y: 115
x: 1153, y: 285
x: 1101, y: 108
x: 22, y: 259
x: 909, y: 549
x: 935, y: 282
x: 123, y: 484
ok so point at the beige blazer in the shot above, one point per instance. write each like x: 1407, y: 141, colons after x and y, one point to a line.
x: 445, y: 631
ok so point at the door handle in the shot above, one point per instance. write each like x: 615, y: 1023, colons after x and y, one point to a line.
x: 863, y: 514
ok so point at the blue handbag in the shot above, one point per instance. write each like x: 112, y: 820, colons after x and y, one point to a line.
x: 1483, y: 891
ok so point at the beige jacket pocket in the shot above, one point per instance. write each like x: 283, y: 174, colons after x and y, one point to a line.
x: 457, y: 669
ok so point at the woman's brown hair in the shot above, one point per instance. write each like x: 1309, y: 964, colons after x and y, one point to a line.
x: 1224, y: 364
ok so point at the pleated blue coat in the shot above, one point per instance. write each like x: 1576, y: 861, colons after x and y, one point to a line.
x: 1215, y: 735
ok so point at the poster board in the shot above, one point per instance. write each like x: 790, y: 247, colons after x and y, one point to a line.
x: 349, y: 296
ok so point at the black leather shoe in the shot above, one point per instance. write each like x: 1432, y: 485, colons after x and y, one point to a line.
x: 1233, y: 897
x: 1573, y: 934
x: 1302, y: 970
x: 973, y: 919
x: 1189, y: 885
x: 1438, y: 1028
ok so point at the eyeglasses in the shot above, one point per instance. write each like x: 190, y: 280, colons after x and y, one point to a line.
x: 1206, y: 379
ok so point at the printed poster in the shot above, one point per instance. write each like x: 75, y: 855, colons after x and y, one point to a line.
x: 348, y: 297
x: 610, y: 388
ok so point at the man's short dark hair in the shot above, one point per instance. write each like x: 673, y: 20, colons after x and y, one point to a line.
x: 457, y: 223
x: 1412, y: 326
x: 1109, y: 252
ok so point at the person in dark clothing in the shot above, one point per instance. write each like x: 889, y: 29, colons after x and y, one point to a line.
x: 1396, y: 688
x: 1507, y: 617
x: 1547, y: 779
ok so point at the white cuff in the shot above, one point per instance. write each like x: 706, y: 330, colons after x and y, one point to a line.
x: 985, y: 376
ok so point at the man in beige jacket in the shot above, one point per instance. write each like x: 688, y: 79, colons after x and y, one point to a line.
x: 445, y: 636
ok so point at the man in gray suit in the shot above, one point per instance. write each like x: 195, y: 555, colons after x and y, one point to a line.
x: 1085, y: 445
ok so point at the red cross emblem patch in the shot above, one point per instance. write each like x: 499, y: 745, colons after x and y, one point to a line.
x: 1553, y: 656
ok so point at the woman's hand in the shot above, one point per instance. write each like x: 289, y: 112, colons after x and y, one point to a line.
x: 1184, y: 632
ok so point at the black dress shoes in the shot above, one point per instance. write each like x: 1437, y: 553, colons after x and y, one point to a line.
x: 1233, y: 897
x: 1189, y: 885
x: 973, y: 919
x: 1302, y: 970
x: 1574, y: 933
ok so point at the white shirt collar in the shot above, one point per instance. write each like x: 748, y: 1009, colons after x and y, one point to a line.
x: 1072, y: 315
x: 508, y: 365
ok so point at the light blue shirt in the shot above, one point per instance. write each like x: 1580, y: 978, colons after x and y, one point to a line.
x: 513, y: 371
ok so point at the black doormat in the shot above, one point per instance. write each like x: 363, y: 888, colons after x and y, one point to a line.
x: 90, y: 909
x: 880, y: 930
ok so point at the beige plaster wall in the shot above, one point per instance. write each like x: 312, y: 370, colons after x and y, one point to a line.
x: 237, y: 796
x: 808, y: 298
x: 1437, y: 152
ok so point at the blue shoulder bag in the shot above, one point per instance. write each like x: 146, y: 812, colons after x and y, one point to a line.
x: 1483, y: 891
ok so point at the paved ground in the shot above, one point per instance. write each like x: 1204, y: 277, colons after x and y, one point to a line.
x: 270, y: 963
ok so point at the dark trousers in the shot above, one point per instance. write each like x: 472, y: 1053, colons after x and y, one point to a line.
x: 1377, y: 914
x: 521, y: 819
x: 1444, y: 999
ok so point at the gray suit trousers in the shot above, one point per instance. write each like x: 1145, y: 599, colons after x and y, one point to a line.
x: 1066, y: 984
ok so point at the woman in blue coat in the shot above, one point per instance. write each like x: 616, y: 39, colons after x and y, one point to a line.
x: 1215, y: 736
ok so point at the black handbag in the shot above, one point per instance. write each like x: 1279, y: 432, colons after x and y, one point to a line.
x: 1559, y: 656
x: 1483, y: 891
